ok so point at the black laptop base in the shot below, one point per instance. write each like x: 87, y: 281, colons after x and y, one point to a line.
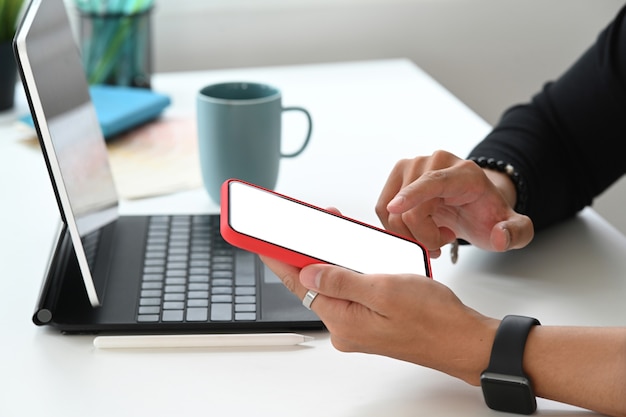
x: 64, y: 305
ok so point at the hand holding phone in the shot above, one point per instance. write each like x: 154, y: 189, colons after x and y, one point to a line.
x: 274, y: 225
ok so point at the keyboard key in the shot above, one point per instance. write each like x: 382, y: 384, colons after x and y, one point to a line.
x: 152, y: 277
x: 173, y: 315
x: 175, y: 281
x: 149, y: 310
x: 176, y: 265
x: 245, y: 290
x: 156, y: 233
x: 199, y: 278
x: 178, y: 251
x: 221, y: 298
x: 175, y: 296
x: 173, y: 305
x: 245, y: 299
x: 159, y: 226
x: 221, y: 274
x: 197, y: 314
x: 245, y: 308
x: 156, y: 254
x: 198, y: 294
x: 151, y: 293
x: 197, y: 303
x: 199, y: 271
x: 148, y: 317
x: 153, y: 270
x: 222, y: 282
x: 201, y: 249
x: 198, y: 286
x: 221, y: 312
x: 149, y: 301
x: 200, y: 255
x: 180, y: 243
x: 174, y: 288
x: 245, y: 316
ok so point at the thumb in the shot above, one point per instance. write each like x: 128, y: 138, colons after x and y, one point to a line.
x: 334, y: 281
x: 310, y: 277
x: 514, y: 233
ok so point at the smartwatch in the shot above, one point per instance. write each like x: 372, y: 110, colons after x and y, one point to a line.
x: 504, y: 384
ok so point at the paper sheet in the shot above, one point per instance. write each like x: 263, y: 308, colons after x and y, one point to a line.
x: 158, y: 158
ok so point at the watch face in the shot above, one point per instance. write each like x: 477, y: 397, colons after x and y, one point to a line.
x: 512, y: 394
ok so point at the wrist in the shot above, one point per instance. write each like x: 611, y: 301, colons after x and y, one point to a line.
x: 514, y: 189
x: 476, y: 350
x: 504, y: 185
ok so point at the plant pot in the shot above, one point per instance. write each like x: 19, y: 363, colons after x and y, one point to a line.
x: 8, y: 76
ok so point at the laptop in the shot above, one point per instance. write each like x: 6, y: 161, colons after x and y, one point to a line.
x: 128, y: 274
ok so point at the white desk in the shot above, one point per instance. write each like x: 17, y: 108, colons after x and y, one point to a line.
x: 366, y: 117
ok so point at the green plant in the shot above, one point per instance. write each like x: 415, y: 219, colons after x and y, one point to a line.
x: 9, y: 12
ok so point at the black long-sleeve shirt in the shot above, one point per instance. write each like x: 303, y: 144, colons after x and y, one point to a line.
x: 568, y: 142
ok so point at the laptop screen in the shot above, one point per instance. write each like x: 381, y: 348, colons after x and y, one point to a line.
x: 67, y: 125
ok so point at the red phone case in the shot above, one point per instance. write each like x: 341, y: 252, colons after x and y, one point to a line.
x: 255, y: 245
x: 271, y: 250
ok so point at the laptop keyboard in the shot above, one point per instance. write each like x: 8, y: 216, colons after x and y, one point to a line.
x: 192, y: 275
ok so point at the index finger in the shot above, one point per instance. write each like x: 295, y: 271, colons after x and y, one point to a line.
x: 288, y: 274
x: 444, y: 183
x: 390, y: 189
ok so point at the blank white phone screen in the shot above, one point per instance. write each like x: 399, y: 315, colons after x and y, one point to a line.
x: 318, y: 234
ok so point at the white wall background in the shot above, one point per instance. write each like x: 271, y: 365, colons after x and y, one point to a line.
x: 489, y: 53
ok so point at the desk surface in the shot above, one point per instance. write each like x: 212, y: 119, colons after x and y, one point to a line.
x: 367, y: 115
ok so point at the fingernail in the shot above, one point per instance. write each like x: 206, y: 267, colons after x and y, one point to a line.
x: 396, y: 201
x: 507, y: 236
x: 310, y: 277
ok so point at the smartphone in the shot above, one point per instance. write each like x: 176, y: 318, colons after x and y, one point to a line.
x: 274, y: 225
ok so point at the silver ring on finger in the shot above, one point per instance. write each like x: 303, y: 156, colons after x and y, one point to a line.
x: 308, y: 299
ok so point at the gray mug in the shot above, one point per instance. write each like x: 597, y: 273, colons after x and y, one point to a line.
x: 239, y: 134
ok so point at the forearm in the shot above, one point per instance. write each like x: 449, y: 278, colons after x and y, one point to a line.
x: 565, y: 143
x: 582, y: 366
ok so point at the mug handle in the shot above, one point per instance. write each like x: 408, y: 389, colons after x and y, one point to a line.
x: 308, y: 135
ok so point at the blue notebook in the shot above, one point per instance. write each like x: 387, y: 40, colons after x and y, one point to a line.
x: 122, y: 108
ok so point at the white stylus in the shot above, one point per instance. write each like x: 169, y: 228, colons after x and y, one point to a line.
x: 200, y: 340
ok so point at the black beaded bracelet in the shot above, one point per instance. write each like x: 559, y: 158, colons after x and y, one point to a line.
x: 508, y: 169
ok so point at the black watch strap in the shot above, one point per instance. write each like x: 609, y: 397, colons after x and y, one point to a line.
x: 505, y: 386
x: 507, y: 353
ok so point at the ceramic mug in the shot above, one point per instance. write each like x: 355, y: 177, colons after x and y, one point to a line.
x: 239, y: 134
